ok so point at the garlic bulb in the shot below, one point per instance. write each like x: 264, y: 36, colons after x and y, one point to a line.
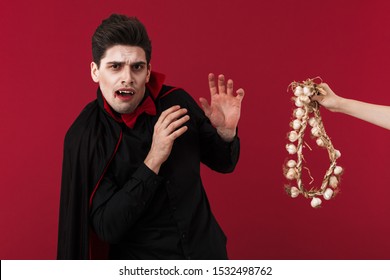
x: 291, y: 163
x: 294, y: 192
x: 315, y: 202
x: 307, y: 91
x: 328, y: 194
x: 313, y: 122
x: 304, y: 99
x: 315, y: 131
x: 299, y: 113
x: 333, y: 181
x: 293, y: 136
x: 298, y: 102
x: 320, y: 142
x: 338, y: 170
x: 337, y: 153
x: 296, y: 124
x: 291, y: 174
x: 298, y: 91
x: 291, y: 149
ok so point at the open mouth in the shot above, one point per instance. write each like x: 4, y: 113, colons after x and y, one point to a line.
x: 125, y: 92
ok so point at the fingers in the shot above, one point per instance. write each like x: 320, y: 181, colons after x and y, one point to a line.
x: 318, y: 98
x: 221, y: 84
x: 174, y: 109
x: 230, y: 87
x: 212, y: 86
x: 325, y: 89
x: 240, y: 93
x: 174, y: 124
x: 324, y: 86
x: 321, y: 91
x: 171, y: 120
x: 178, y: 132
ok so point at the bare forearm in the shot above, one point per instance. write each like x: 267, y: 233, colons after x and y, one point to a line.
x: 372, y: 113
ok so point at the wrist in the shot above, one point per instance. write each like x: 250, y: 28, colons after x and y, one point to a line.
x: 227, y: 135
x: 152, y: 164
x: 340, y: 106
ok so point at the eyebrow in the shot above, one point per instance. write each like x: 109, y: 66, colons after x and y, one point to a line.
x: 122, y: 62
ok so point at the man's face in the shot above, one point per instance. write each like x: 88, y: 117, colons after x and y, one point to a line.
x: 122, y: 76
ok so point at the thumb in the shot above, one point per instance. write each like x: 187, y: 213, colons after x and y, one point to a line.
x: 325, y: 89
x: 205, y: 105
x: 318, y: 98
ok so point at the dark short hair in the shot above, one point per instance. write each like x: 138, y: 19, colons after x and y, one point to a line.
x: 120, y: 30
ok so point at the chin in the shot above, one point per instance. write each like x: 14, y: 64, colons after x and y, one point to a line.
x: 125, y: 110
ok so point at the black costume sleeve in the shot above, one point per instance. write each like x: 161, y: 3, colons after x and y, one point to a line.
x: 218, y: 154
x: 115, y: 208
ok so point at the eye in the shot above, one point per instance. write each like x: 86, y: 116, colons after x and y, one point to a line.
x: 115, y: 66
x: 138, y: 67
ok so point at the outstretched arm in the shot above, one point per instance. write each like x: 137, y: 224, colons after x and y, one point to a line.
x: 373, y: 113
x: 224, y: 108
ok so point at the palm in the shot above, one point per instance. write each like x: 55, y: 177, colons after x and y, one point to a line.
x: 224, y: 111
x: 225, y: 107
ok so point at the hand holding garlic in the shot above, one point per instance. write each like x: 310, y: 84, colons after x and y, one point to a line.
x: 327, y: 98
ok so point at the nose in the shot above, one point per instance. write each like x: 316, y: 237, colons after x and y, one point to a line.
x: 126, y: 76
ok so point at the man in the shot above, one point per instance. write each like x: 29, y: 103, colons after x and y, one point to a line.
x: 131, y: 168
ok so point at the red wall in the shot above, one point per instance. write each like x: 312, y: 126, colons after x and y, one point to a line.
x: 263, y: 45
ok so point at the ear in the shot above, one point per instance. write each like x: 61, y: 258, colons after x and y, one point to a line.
x: 94, y: 72
x: 149, y: 72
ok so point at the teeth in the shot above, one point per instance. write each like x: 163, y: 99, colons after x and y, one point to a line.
x: 126, y: 92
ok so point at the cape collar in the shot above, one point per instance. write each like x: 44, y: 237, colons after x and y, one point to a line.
x: 153, y: 88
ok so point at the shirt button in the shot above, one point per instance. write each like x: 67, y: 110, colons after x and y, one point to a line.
x: 184, y: 235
